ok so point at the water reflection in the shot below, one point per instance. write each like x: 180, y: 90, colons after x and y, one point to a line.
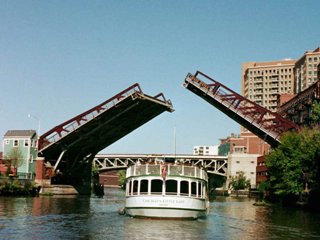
x: 164, y: 229
x: 97, y: 218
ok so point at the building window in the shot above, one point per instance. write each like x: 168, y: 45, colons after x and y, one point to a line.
x: 15, y: 143
x: 26, y: 142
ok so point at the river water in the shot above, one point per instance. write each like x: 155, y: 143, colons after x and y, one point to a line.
x: 61, y: 217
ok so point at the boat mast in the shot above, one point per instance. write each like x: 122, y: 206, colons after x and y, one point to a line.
x: 174, y: 141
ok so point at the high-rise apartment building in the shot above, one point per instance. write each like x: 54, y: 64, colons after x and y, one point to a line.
x: 274, y: 84
x: 306, y: 70
x: 262, y: 82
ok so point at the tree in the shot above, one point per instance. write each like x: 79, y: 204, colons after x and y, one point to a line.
x: 122, y: 179
x: 239, y: 181
x: 13, y: 159
x: 315, y: 115
x: 293, y: 166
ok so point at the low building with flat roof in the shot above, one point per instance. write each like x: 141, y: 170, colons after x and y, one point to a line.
x: 20, y: 146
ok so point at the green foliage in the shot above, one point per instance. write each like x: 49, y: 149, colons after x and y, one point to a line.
x: 14, y: 159
x: 122, y: 179
x: 295, y: 163
x: 224, y: 149
x: 94, y: 170
x: 239, y: 181
x: 263, y: 187
x: 16, y: 187
x: 315, y: 116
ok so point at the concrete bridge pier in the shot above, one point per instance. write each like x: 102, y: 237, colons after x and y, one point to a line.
x: 75, y: 182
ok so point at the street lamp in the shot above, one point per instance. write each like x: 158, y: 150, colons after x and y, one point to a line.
x: 36, y: 118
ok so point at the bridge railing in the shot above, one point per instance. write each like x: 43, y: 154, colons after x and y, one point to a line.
x: 234, y: 105
x: 171, y: 169
x: 63, y: 129
x: 72, y: 124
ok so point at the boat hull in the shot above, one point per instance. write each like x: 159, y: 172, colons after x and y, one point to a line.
x: 169, y: 207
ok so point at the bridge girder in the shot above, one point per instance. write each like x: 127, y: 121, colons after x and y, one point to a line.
x: 267, y: 125
x: 213, y: 164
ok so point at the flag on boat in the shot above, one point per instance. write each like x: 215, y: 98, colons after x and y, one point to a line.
x: 164, y: 171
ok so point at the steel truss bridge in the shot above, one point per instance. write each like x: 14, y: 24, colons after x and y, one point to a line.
x: 213, y: 164
x: 267, y: 125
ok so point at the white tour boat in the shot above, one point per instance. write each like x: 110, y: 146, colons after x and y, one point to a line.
x: 162, y: 189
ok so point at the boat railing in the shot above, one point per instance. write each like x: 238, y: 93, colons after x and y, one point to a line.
x: 171, y: 170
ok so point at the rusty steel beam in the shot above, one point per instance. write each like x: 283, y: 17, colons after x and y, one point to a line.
x: 60, y: 131
x: 266, y: 124
x: 313, y: 92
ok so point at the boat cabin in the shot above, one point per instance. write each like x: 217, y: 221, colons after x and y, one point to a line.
x: 166, y: 179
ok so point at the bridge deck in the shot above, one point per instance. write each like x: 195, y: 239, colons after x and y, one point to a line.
x: 99, y: 127
x: 267, y: 125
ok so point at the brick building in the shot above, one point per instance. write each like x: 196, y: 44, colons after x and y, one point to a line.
x: 261, y: 170
x: 287, y: 86
x: 110, y: 179
x: 245, y: 142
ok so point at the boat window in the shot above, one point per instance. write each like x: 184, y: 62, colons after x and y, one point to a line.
x: 129, y: 187
x: 154, y: 169
x: 184, y: 188
x: 132, y: 170
x: 171, y: 187
x: 199, y: 189
x: 144, y: 187
x: 156, y: 186
x: 141, y: 170
x: 194, y: 188
x: 197, y: 172
x: 189, y: 171
x: 135, y: 187
x: 175, y: 169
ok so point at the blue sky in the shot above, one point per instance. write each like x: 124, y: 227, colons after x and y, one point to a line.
x: 60, y: 58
